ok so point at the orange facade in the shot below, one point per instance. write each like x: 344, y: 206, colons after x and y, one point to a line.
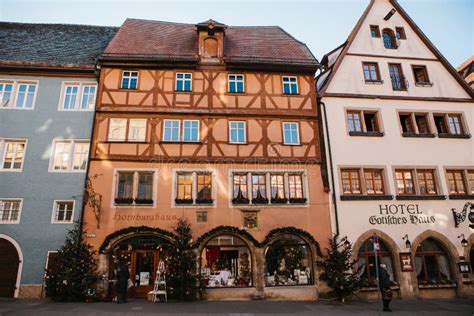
x: 158, y: 154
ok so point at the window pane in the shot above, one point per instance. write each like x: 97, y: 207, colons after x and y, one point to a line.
x: 117, y: 129
x: 258, y: 187
x: 13, y: 156
x: 5, y: 94
x: 125, y: 185
x: 295, y: 186
x: 81, y: 154
x: 237, y: 132
x: 277, y: 186
x: 290, y: 133
x: 70, y: 97
x: 239, y: 186
x: 145, y: 185
x: 137, y: 130
x: 171, y: 130
x: 61, y: 155
x: 88, y: 97
x: 204, y: 182
x: 190, y: 131
x: 185, y: 186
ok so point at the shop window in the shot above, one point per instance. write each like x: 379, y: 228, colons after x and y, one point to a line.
x: 193, y: 187
x: 374, y: 31
x: 288, y: 261
x: 134, y: 188
x: 432, y: 264
x: 226, y: 262
x: 366, y: 262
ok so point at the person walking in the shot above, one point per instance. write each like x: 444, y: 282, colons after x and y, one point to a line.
x: 122, y: 284
x: 384, y: 285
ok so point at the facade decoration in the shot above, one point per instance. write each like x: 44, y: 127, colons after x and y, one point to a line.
x: 395, y: 112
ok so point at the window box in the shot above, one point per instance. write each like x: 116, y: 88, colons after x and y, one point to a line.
x: 298, y: 200
x: 367, y: 134
x: 420, y: 197
x: 374, y: 81
x: 279, y: 201
x: 124, y: 201
x: 421, y: 135
x: 366, y: 197
x: 240, y: 201
x: 260, y: 200
x: 461, y: 196
x: 446, y: 135
x: 183, y: 201
x: 144, y: 201
x: 204, y: 201
x: 424, y: 84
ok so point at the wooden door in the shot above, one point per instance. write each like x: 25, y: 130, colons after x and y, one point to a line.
x: 144, y: 262
x: 9, y: 262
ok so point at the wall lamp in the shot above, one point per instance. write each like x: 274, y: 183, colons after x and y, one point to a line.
x: 464, y: 241
x: 407, y: 242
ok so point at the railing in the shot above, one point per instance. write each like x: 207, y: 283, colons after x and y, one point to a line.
x: 399, y: 83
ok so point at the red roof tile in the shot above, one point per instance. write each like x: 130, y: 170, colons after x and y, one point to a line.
x: 166, y: 41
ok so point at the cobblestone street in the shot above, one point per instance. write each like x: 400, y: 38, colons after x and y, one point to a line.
x: 440, y: 307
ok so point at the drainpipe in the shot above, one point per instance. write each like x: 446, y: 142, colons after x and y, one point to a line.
x: 322, y: 106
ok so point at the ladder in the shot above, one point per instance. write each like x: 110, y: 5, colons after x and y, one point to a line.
x: 159, y: 290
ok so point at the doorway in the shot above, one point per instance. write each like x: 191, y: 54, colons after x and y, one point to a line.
x: 9, y: 263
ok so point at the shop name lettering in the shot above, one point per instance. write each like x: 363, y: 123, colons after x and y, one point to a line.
x: 147, y: 217
x: 400, y: 214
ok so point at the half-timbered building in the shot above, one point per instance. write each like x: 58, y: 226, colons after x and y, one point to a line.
x: 217, y: 124
x: 398, y: 130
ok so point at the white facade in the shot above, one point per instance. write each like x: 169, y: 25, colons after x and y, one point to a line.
x: 343, y: 89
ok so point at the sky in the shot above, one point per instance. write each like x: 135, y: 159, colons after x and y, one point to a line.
x: 321, y: 24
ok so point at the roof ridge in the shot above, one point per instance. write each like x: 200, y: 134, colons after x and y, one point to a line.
x: 58, y: 24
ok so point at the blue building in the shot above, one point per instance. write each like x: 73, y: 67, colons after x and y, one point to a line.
x: 48, y: 87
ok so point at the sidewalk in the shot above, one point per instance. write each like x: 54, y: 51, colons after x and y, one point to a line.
x: 420, y: 307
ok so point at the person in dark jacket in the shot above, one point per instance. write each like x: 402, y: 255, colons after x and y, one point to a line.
x: 384, y: 285
x: 122, y: 284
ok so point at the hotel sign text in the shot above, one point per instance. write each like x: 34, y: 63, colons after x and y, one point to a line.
x: 400, y: 214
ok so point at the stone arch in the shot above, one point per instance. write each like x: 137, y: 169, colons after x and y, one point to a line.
x: 388, y: 241
x: 20, y: 264
x: 451, y: 251
x: 122, y: 234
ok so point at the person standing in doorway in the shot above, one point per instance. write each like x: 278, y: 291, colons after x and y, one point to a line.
x: 122, y: 284
x: 384, y: 285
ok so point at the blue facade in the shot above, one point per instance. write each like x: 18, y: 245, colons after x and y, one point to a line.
x: 35, y: 184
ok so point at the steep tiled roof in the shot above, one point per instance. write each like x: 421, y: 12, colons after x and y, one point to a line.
x: 165, y: 41
x: 52, y: 45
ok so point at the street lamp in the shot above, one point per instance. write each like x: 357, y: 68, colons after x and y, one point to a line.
x: 407, y: 242
x: 464, y: 241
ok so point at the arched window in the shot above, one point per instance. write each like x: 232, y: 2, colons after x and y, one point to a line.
x: 366, y: 262
x: 210, y: 48
x: 389, y: 40
x: 288, y: 261
x: 432, y: 263
x: 226, y: 262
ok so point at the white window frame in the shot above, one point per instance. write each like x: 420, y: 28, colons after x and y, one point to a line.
x: 245, y: 132
x: 291, y: 91
x: 71, y: 155
x: 235, y: 81
x: 198, y: 131
x: 163, y: 131
x: 80, y: 95
x: 129, y: 81
x: 14, y: 93
x: 109, y: 139
x: 194, y: 172
x: 297, y: 134
x: 268, y: 173
x: 129, y: 138
x: 20, y: 208
x: 53, y: 213
x: 184, y: 80
x: 135, y: 187
x: 3, y: 152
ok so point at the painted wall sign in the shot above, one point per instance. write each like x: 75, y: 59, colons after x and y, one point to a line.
x: 144, y: 217
x: 400, y: 214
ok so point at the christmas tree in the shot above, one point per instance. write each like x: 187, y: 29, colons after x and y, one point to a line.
x: 183, y: 281
x: 74, y: 271
x: 338, y: 268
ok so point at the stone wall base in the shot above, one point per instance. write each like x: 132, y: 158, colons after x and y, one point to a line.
x: 437, y: 293
x: 30, y: 291
x: 292, y: 293
x: 230, y: 294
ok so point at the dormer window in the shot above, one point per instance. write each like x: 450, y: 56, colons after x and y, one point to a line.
x: 389, y: 40
x: 211, y: 41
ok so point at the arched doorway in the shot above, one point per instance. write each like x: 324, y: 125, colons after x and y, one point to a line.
x: 432, y: 264
x: 366, y: 262
x: 226, y: 261
x: 10, y: 261
x: 142, y: 254
x: 288, y: 261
